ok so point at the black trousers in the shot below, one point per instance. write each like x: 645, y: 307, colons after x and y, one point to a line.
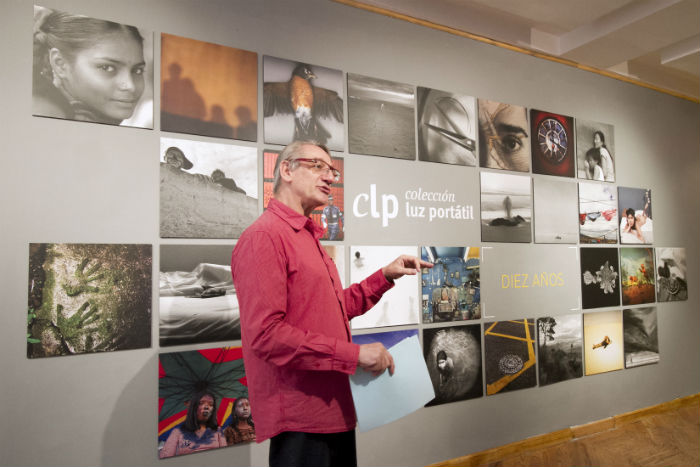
x: 296, y: 449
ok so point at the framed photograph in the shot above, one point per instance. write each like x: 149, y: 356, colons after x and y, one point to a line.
x: 446, y: 127
x: 638, y: 279
x: 671, y: 281
x: 555, y: 210
x: 552, y: 144
x: 595, y: 151
x: 506, y: 208
x: 302, y: 102
x: 504, y: 136
x: 600, y: 277
x: 560, y: 352
x: 635, y: 216
x: 509, y: 348
x: 88, y: 298
x: 641, y: 336
x: 117, y: 87
x: 208, y: 89
x: 453, y: 357
x: 603, y: 342
x: 597, y: 213
x: 451, y: 289
x: 381, y: 117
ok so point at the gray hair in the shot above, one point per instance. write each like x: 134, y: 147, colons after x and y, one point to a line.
x: 291, y: 151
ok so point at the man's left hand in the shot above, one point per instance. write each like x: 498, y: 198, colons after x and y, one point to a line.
x: 404, y: 265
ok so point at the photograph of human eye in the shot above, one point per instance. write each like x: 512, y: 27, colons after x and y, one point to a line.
x: 504, y: 141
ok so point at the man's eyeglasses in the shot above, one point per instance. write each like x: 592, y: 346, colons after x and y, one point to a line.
x: 320, y: 166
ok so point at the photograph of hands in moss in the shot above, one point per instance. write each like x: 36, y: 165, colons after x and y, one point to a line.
x: 86, y: 298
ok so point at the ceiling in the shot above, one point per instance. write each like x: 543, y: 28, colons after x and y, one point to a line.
x: 656, y: 42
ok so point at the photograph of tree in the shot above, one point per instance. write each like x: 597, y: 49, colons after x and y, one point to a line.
x: 603, y: 342
x: 671, y: 283
x: 637, y: 269
x: 560, y: 353
x: 641, y: 336
x: 86, y: 298
x: 509, y: 348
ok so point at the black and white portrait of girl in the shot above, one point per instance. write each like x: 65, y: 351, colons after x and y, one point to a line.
x: 91, y: 70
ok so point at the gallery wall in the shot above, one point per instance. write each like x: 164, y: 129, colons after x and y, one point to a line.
x: 73, y: 182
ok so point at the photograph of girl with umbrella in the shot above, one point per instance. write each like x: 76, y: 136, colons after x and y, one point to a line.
x: 197, y: 393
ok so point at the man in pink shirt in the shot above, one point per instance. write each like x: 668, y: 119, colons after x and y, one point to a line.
x: 297, y: 344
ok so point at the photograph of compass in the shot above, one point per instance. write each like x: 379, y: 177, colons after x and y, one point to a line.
x: 552, y: 144
x: 446, y: 127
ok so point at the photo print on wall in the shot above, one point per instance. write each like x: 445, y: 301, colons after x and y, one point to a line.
x: 207, y: 190
x: 560, y: 356
x: 87, y: 298
x: 603, y: 342
x: 636, y: 224
x: 399, y: 305
x: 202, y: 401
x: 208, y: 89
x: 504, y: 140
x: 197, y: 298
x: 597, y: 213
x: 453, y: 357
x: 509, y: 348
x: 118, y: 92
x: 337, y: 254
x: 552, y: 144
x: 330, y: 216
x: 595, y: 151
x: 637, y: 275
x: 506, y: 208
x: 555, y: 211
x: 302, y: 102
x: 600, y: 277
x: 446, y: 127
x: 451, y: 289
x: 381, y: 117
x: 641, y: 336
x: 671, y: 282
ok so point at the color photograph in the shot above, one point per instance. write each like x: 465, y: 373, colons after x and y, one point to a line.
x: 453, y: 357
x: 202, y: 401
x: 600, y: 277
x: 641, y: 336
x: 115, y: 89
x: 555, y: 211
x: 595, y: 151
x: 509, y: 348
x: 552, y: 144
x: 208, y: 89
x: 504, y: 139
x: 451, y: 289
x: 560, y: 355
x: 197, y: 298
x: 506, y: 208
x: 330, y: 216
x: 207, y: 190
x: 399, y: 305
x: 671, y: 282
x: 637, y: 269
x: 302, y: 102
x: 597, y: 213
x: 636, y: 224
x: 603, y: 342
x: 381, y: 117
x: 446, y: 127
x: 87, y: 298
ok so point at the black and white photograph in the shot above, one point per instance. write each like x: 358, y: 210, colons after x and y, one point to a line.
x: 552, y: 144
x: 506, y: 208
x: 509, y: 355
x: 560, y: 348
x: 381, y: 117
x: 595, y: 151
x: 207, y: 190
x: 91, y: 70
x: 641, y: 336
x: 555, y: 211
x: 397, y: 306
x: 451, y: 289
x: 504, y: 136
x: 447, y: 127
x: 671, y: 282
x: 302, y: 102
x: 600, y: 277
x: 88, y: 298
x: 597, y: 213
x: 453, y: 357
x: 197, y: 301
x: 635, y: 217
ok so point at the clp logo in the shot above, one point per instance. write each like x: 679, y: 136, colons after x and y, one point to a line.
x: 389, y: 205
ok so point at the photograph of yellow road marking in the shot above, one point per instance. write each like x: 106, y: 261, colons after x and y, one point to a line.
x: 510, y: 355
x: 603, y: 342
